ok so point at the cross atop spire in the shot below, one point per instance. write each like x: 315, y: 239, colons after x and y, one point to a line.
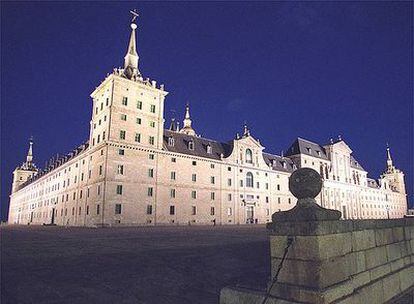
x: 389, y: 159
x: 29, y: 157
x: 131, y: 57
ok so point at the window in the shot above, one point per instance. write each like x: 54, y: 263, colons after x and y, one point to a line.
x: 122, y: 134
x: 121, y: 152
x: 241, y: 183
x: 173, y: 175
x: 118, y: 208
x: 152, y: 108
x: 194, y: 163
x: 151, y: 140
x: 151, y: 156
x: 278, y: 187
x: 103, y: 136
x: 191, y: 145
x: 98, y: 209
x: 172, y: 193
x: 171, y: 141
x: 149, y: 209
x: 152, y: 124
x: 212, y: 211
x: 194, y: 194
x: 120, y: 170
x: 173, y: 160
x: 229, y: 211
x: 212, y: 196
x: 229, y: 197
x: 150, y: 191
x: 87, y: 210
x: 249, y: 156
x: 212, y: 166
x: 194, y: 177
x: 257, y: 185
x: 137, y: 137
x: 107, y: 101
x: 150, y: 172
x: 118, y: 189
x: 172, y: 210
x: 229, y: 182
x: 138, y: 121
x: 278, y: 200
x: 212, y: 179
x: 249, y: 179
x: 124, y: 101
x: 99, y: 190
x: 193, y: 210
x: 139, y: 105
x: 209, y: 149
x: 123, y: 117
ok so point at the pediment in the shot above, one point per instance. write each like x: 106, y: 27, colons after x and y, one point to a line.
x: 341, y: 145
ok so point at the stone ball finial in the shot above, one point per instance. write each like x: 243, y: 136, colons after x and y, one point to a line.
x: 305, y: 183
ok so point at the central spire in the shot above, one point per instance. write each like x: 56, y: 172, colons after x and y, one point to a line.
x: 131, y: 57
x: 389, y: 159
x: 187, y: 128
x: 29, y: 157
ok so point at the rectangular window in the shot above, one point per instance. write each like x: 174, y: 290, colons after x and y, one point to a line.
x: 138, y: 121
x: 120, y: 170
x: 87, y: 210
x: 151, y: 156
x: 137, y: 137
x: 229, y: 211
x: 80, y: 194
x: 194, y: 194
x: 173, y: 175
x: 229, y: 182
x: 172, y: 210
x: 98, y: 207
x: 278, y: 200
x: 149, y: 209
x: 212, y: 166
x: 119, y: 189
x: 194, y: 177
x: 212, y: 196
x: 212, y: 179
x: 278, y: 187
x: 150, y: 191
x: 267, y: 199
x: 172, y: 193
x: 267, y: 212
x: 107, y: 101
x: 122, y: 134
x: 151, y: 140
x: 229, y: 197
x: 118, y: 208
x: 150, y: 172
x: 139, y: 105
x: 194, y: 163
x: 123, y: 117
x: 173, y: 160
x: 212, y: 211
x: 193, y: 210
x: 267, y: 186
x: 124, y: 101
x: 152, y: 124
x: 257, y: 185
x: 121, y: 152
x: 152, y: 108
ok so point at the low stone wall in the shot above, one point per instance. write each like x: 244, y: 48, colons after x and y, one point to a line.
x: 363, y: 261
x: 318, y: 258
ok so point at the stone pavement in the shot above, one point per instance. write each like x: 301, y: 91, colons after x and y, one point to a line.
x: 130, y: 265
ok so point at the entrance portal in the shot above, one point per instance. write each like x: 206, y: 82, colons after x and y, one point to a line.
x: 249, y: 214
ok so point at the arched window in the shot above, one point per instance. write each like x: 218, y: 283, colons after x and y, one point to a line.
x: 171, y: 141
x: 191, y: 145
x: 249, y: 180
x: 249, y: 156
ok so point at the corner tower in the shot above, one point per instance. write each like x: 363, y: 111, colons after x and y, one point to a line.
x: 128, y: 108
x: 26, y: 171
x: 394, y: 176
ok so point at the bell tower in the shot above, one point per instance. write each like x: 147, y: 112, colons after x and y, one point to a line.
x: 394, y: 176
x: 27, y: 170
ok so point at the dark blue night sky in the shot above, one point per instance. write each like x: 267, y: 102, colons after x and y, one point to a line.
x: 308, y: 69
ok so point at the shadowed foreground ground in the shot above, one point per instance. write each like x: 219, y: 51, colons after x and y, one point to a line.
x: 129, y: 265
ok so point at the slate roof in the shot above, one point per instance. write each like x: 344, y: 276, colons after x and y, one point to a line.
x: 355, y: 164
x: 181, y: 141
x: 303, y: 146
x: 277, y: 162
x: 372, y: 183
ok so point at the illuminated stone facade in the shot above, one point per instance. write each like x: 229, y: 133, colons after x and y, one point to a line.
x: 134, y: 171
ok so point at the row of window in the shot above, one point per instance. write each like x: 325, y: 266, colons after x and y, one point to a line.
x: 138, y: 104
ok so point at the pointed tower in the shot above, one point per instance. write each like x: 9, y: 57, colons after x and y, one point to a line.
x: 187, y: 128
x: 393, y: 176
x: 131, y: 58
x: 27, y: 170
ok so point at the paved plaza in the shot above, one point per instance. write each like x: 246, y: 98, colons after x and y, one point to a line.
x: 131, y: 264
